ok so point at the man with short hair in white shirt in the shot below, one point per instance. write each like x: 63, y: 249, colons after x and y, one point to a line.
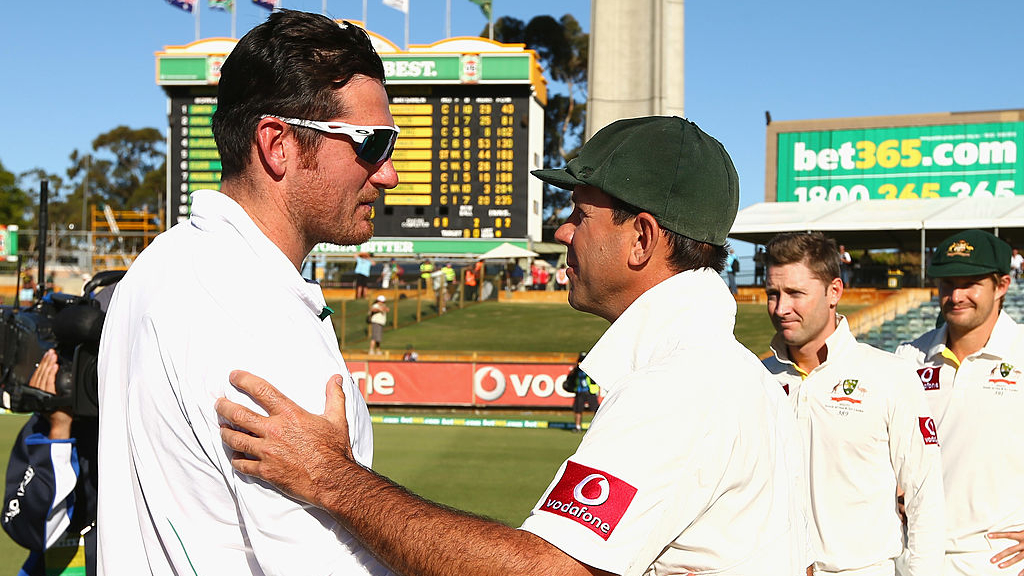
x: 971, y: 370
x: 305, y: 136
x: 865, y: 424
x: 691, y: 464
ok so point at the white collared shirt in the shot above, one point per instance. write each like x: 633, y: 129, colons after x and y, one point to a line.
x: 692, y: 462
x: 209, y: 296
x: 978, y: 408
x: 866, y: 428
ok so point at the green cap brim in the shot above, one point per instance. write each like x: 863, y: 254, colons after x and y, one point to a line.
x: 948, y: 269
x: 558, y: 177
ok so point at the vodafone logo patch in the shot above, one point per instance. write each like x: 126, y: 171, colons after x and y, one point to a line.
x: 590, y: 497
x: 929, y: 377
x: 928, y: 430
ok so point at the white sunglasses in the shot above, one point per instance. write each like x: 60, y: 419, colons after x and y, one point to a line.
x: 374, y: 144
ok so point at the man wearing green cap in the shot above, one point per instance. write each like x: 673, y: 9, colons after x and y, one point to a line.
x: 971, y: 371
x: 691, y: 464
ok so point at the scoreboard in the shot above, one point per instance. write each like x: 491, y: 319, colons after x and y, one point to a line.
x: 461, y: 159
x: 471, y: 130
x: 194, y: 162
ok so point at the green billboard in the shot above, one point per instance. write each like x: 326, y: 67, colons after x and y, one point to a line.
x: 905, y: 162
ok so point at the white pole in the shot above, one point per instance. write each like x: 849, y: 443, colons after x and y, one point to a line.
x: 407, y: 27
x: 490, y: 23
x: 198, y: 8
x: 448, y: 19
x: 365, y: 25
x: 324, y: 9
x: 234, y: 14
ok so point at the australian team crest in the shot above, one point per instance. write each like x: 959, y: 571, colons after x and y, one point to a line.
x: 1005, y: 369
x: 960, y: 248
x: 847, y: 393
x: 1004, y: 377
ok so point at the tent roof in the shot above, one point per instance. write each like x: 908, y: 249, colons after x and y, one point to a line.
x: 506, y: 250
x: 879, y: 224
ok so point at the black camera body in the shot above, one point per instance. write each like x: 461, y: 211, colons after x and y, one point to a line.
x: 71, y: 325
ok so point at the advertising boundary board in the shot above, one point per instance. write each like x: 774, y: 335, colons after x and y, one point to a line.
x: 475, y: 384
x: 917, y: 183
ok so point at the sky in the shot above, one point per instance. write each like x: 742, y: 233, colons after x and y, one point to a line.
x: 71, y: 69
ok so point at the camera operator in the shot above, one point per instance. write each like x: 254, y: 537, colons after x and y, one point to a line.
x: 50, y: 493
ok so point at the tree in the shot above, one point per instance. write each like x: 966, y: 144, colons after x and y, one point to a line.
x: 17, y: 204
x: 562, y: 48
x: 136, y: 153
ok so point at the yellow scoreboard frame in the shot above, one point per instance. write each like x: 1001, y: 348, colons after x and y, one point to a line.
x: 472, y: 127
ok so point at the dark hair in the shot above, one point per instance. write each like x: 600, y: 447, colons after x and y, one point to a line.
x: 684, y: 253
x: 813, y: 249
x: 288, y: 66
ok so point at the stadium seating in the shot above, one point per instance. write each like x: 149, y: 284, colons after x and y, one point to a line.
x: 917, y: 321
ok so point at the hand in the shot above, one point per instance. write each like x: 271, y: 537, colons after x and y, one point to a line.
x: 1016, y: 550
x: 45, y: 379
x: 292, y: 449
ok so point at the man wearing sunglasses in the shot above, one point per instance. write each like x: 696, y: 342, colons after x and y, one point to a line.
x: 305, y: 138
x: 692, y: 463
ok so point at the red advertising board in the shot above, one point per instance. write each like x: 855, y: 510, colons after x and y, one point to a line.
x: 462, y: 383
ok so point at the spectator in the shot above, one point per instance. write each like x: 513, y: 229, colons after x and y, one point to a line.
x: 378, y: 318
x: 426, y: 270
x: 516, y: 275
x: 732, y: 266
x: 585, y: 391
x: 759, y: 267
x: 1017, y: 265
x: 363, y: 263
x: 449, y: 281
x: 385, y: 274
x: 562, y: 278
x: 540, y: 280
x: 410, y: 354
x: 473, y: 278
x: 845, y: 266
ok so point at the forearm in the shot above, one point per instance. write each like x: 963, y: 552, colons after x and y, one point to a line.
x: 415, y: 537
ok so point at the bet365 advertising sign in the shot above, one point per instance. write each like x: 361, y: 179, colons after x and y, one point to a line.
x: 907, y: 162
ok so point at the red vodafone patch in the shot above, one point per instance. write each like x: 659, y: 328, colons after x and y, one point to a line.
x: 591, y: 497
x: 929, y: 377
x: 928, y: 430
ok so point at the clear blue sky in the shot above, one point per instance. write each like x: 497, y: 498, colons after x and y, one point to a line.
x: 72, y: 69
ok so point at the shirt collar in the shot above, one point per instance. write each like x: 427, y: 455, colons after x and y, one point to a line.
x: 218, y: 213
x: 835, y: 345
x: 1001, y: 342
x: 692, y: 307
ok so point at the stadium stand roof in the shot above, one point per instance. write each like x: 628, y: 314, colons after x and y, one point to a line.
x: 910, y: 225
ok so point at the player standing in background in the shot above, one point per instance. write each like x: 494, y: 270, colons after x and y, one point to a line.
x: 864, y: 420
x: 972, y: 369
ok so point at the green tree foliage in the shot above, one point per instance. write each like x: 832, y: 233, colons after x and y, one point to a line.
x: 17, y: 205
x: 136, y: 153
x: 562, y: 48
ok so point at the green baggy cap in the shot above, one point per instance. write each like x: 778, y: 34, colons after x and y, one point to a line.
x: 970, y: 253
x: 663, y: 165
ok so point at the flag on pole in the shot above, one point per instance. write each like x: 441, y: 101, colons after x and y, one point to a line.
x: 186, y: 5
x: 268, y: 4
x: 400, y: 5
x: 225, y: 5
x: 485, y: 7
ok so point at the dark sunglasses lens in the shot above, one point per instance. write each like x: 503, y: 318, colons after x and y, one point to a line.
x: 378, y: 147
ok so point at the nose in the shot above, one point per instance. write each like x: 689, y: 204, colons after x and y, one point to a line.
x: 385, y: 177
x: 564, y: 233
